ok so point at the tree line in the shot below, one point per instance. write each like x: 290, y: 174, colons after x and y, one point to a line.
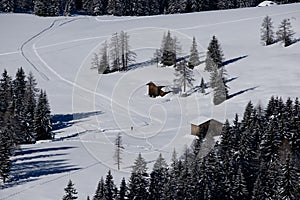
x: 24, y: 115
x: 122, y: 7
x: 257, y: 158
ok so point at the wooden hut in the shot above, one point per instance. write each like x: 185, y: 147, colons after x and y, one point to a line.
x: 205, y: 126
x: 155, y: 91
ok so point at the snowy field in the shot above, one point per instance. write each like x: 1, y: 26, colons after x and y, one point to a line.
x: 95, y: 108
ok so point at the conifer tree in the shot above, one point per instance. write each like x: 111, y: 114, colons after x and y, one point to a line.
x: 30, y: 104
x: 285, y: 32
x: 158, y: 178
x: 214, y: 56
x: 6, y: 92
x: 109, y: 187
x: 115, y: 52
x: 289, y: 187
x: 118, y: 150
x: 70, y: 192
x: 168, y: 50
x: 123, y: 192
x: 267, y: 33
x: 127, y: 56
x: 220, y: 90
x: 99, y: 194
x: 202, y: 86
x: 104, y: 61
x: 194, y: 54
x: 138, y: 182
x: 42, y: 119
x: 239, y: 190
x: 183, y: 76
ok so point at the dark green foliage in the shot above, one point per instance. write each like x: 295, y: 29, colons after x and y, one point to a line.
x: 123, y: 192
x: 70, y: 192
x: 99, y: 194
x: 109, y: 187
x: 42, y: 119
x: 214, y: 56
x: 168, y: 50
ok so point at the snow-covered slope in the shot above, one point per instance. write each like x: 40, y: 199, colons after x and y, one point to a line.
x: 59, y: 50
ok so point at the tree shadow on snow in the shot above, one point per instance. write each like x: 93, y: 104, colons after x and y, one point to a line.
x: 32, y: 167
x: 60, y: 121
x: 227, y: 62
x: 241, y: 92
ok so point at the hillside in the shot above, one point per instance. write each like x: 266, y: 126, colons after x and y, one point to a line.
x: 59, y: 50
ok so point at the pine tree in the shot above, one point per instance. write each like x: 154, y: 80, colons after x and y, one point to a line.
x: 239, y: 188
x: 104, y: 61
x: 118, y: 150
x: 176, y: 6
x: 109, y: 187
x: 115, y: 52
x: 99, y: 194
x: 6, y: 92
x: 42, y: 119
x: 267, y: 33
x: 220, y: 90
x: 158, y: 178
x: 19, y: 90
x: 138, y: 182
x: 70, y: 191
x: 194, y: 54
x: 184, y: 76
x: 154, y: 7
x: 214, y: 55
x: 6, y: 148
x: 289, y: 185
x: 168, y: 50
x: 123, y: 192
x: 127, y: 56
x: 202, y: 86
x: 30, y: 104
x: 285, y: 32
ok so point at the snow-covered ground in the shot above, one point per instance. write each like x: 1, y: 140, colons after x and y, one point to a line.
x: 95, y: 108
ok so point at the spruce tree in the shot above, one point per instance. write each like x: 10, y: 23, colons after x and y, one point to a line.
x: 7, y: 5
x: 109, y: 187
x: 30, y: 104
x: 214, y: 56
x: 158, y: 178
x: 289, y: 185
x: 42, y: 119
x: 267, y: 33
x: 138, y: 182
x: 115, y: 52
x: 103, y: 64
x: 220, y: 89
x: 194, y: 54
x: 168, y: 50
x: 183, y: 76
x: 70, y: 192
x: 123, y: 191
x: 118, y: 150
x: 285, y: 32
x: 99, y: 194
x: 127, y: 56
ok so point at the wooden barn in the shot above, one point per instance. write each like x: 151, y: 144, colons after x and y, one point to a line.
x: 205, y: 126
x: 155, y: 91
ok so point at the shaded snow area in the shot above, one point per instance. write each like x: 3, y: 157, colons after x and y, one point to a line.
x: 90, y: 110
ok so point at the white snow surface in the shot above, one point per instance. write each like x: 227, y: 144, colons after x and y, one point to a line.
x: 59, y: 50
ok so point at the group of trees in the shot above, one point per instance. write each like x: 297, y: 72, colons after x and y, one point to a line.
x: 257, y: 158
x: 122, y: 7
x: 115, y: 56
x: 24, y: 115
x: 284, y: 34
